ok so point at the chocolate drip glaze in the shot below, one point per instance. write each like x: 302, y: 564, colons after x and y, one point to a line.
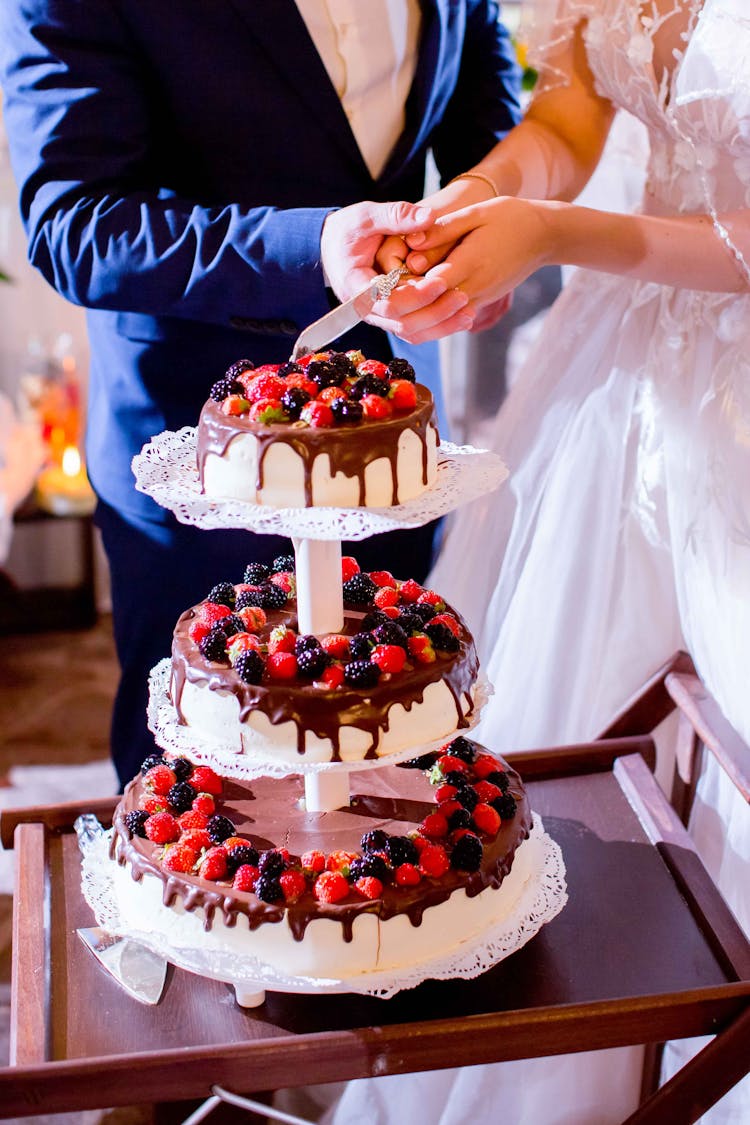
x: 350, y: 448
x: 316, y: 709
x: 268, y: 812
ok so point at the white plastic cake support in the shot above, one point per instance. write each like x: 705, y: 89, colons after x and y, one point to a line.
x: 320, y: 602
x: 248, y: 995
x: 326, y: 791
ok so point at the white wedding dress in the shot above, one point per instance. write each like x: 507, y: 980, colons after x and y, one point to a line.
x: 623, y: 533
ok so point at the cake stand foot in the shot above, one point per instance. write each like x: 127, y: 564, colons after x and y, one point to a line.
x: 326, y: 791
x: 248, y: 995
x: 320, y: 601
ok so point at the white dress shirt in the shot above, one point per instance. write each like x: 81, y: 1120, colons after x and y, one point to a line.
x: 369, y: 48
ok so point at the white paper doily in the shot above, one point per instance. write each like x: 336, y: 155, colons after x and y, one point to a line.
x: 229, y: 761
x: 543, y: 896
x: 166, y: 470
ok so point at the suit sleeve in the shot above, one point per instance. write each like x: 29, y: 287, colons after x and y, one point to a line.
x: 77, y: 117
x: 485, y: 103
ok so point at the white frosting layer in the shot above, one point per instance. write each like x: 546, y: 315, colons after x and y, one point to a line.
x: 214, y: 715
x: 323, y: 954
x: 233, y: 474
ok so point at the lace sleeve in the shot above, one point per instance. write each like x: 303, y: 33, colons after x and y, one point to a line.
x: 545, y: 30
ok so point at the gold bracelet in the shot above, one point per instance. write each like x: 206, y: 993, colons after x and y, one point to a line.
x: 477, y: 176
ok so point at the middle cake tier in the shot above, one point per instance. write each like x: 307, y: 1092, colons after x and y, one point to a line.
x: 402, y: 671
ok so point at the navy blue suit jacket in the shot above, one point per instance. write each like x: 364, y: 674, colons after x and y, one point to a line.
x: 175, y: 165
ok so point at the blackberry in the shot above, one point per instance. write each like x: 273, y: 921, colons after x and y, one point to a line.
x: 249, y: 666
x: 442, y: 637
x: 424, y: 611
x: 506, y: 806
x: 271, y: 863
x: 268, y: 889
x: 213, y: 645
x: 340, y: 362
x: 239, y: 855
x: 457, y: 778
x: 498, y: 778
x: 181, y: 796
x: 135, y: 822
x: 346, y: 411
x: 312, y: 663
x: 374, y: 841
x: 239, y: 367
x: 400, y: 849
x: 410, y: 622
x: 462, y: 748
x: 283, y: 564
x: 293, y: 400
x: 267, y: 596
x: 372, y: 619
x: 324, y: 374
x: 231, y: 625
x: 361, y: 673
x: 401, y: 369
x: 391, y: 633
x: 369, y: 865
x: 368, y: 385
x: 225, y: 387
x: 467, y: 798
x: 360, y: 646
x: 304, y: 642
x: 290, y: 368
x: 223, y: 593
x: 467, y: 853
x: 151, y: 761
x: 181, y: 768
x: 256, y: 573
x: 423, y: 762
x: 461, y: 818
x: 219, y: 828
x: 359, y: 589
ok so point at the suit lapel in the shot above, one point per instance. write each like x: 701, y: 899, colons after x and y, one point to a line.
x: 283, y: 35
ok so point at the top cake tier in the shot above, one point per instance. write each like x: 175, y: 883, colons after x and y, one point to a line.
x: 331, y: 430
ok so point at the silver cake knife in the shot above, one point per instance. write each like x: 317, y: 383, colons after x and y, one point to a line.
x: 346, y: 315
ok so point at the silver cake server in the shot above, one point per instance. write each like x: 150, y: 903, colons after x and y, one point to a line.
x: 346, y: 315
x: 137, y: 969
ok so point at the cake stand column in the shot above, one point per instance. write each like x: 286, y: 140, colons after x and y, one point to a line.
x: 320, y: 601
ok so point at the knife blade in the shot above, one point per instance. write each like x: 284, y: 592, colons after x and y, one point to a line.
x: 136, y: 968
x: 347, y: 314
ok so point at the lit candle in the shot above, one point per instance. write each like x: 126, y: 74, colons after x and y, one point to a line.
x: 64, y: 490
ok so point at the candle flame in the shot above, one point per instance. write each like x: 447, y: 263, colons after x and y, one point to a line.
x: 71, y: 461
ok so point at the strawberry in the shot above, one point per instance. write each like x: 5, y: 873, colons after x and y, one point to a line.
x: 485, y: 765
x: 328, y: 394
x: 239, y: 643
x: 407, y: 875
x: 420, y: 647
x: 281, y: 666
x: 434, y: 861
x: 447, y: 808
x: 419, y: 842
x: 445, y: 793
x: 375, y: 407
x: 214, y: 864
x: 447, y: 763
x: 253, y: 617
x: 286, y: 581
x: 330, y: 886
x: 389, y: 610
x: 313, y: 861
x: 180, y: 857
x: 448, y: 620
x: 349, y: 567
x: 340, y: 861
x: 332, y: 678
x: 403, y: 394
x: 373, y: 367
x: 389, y: 658
x: 267, y: 410
x: 160, y: 780
x: 356, y: 357
x: 192, y: 819
x: 486, y: 791
x: 369, y: 887
x: 234, y: 405
x: 386, y: 596
x: 152, y: 804
x: 263, y: 385
x: 197, y: 631
x: 204, y: 803
x: 434, y: 826
x: 281, y: 640
x: 383, y: 578
x: 486, y: 819
x: 235, y: 842
x: 293, y: 884
x: 410, y: 590
x: 316, y: 414
x: 208, y: 613
x: 429, y: 597
x: 336, y: 645
x: 197, y: 838
x: 262, y: 369
x: 162, y: 828
x: 204, y: 780
x: 245, y: 878
x: 298, y: 379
